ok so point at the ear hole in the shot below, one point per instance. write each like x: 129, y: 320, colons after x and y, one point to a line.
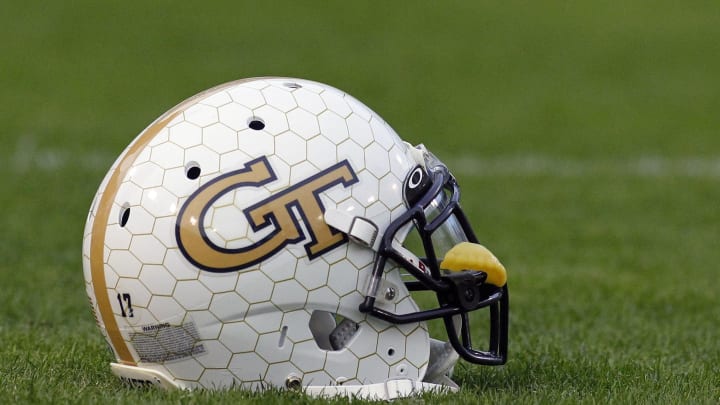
x: 192, y: 170
x: 332, y: 331
x: 256, y: 123
x: 124, y: 214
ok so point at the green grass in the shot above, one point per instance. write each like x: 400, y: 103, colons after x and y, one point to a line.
x: 585, y: 136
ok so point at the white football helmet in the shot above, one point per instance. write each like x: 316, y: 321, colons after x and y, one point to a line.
x: 253, y: 237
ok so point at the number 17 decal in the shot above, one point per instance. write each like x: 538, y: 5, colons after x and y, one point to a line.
x: 127, y: 305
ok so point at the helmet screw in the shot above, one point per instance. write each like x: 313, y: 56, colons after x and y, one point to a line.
x: 389, y: 293
x: 293, y: 382
x: 469, y: 294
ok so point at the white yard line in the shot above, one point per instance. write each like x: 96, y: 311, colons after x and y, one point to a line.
x: 549, y: 166
x: 26, y: 156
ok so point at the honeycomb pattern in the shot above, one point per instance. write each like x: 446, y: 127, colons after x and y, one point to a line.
x: 253, y: 324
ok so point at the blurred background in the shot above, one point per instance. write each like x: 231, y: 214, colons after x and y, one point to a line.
x: 584, y: 135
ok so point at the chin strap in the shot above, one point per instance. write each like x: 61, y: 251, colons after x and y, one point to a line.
x: 387, y: 390
x: 390, y: 389
x: 437, y: 379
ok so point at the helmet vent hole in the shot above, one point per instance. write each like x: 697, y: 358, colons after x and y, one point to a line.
x: 401, y: 369
x: 283, y: 335
x: 124, y: 215
x: 256, y: 123
x: 292, y: 85
x: 192, y: 170
x: 391, y: 352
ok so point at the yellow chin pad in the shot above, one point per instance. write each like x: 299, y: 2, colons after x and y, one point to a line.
x: 473, y: 256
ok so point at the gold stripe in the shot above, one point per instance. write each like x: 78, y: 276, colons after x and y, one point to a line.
x: 97, y: 243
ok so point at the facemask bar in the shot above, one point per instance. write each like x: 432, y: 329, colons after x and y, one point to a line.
x: 457, y: 293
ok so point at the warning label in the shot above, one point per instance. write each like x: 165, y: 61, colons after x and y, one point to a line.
x: 164, y: 342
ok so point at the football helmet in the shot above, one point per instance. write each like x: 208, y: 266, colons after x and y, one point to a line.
x: 255, y: 236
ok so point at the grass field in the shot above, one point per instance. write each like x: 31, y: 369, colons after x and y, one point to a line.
x: 586, y: 138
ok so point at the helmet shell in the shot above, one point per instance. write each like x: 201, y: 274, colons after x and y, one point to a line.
x: 212, y: 274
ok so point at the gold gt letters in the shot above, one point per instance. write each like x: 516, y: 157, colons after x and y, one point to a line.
x: 275, y: 212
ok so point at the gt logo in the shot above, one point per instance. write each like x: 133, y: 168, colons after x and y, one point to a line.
x: 275, y: 212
